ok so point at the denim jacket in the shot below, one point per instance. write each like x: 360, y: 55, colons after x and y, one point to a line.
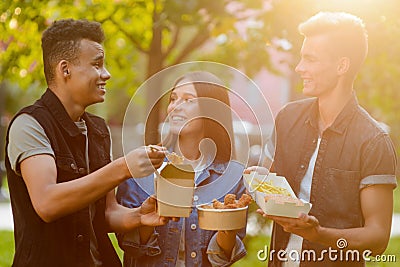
x: 201, y: 248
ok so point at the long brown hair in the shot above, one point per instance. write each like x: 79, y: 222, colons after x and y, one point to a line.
x: 209, y: 86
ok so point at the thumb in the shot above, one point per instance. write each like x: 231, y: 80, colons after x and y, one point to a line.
x: 250, y: 169
x: 151, y: 200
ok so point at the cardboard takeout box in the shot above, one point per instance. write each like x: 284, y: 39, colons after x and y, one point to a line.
x: 174, y: 189
x: 271, y: 206
x: 222, y: 219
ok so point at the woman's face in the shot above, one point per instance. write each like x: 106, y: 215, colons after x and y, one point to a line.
x: 184, y: 111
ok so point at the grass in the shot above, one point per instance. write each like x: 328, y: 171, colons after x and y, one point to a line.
x: 114, y: 241
x: 253, y: 245
x: 6, y: 248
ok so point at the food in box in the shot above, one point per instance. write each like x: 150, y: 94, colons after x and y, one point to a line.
x: 230, y: 215
x: 274, y: 195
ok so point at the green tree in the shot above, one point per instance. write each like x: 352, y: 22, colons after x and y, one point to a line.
x: 145, y: 36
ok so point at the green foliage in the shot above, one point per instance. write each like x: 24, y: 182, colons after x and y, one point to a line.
x: 253, y: 244
x: 114, y: 241
x: 20, y: 44
x: 392, y: 249
x: 145, y: 36
x: 6, y: 248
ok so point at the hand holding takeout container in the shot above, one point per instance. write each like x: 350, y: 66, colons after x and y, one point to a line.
x: 273, y: 207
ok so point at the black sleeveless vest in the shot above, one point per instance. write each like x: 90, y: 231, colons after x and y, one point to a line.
x: 66, y: 241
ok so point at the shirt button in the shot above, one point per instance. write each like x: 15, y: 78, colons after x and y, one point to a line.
x: 193, y: 226
x: 314, y: 141
x: 82, y: 170
x: 79, y: 238
x: 73, y: 166
x: 195, y: 198
x: 193, y: 254
x: 302, y: 166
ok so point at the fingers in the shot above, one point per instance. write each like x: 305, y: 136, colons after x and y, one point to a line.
x: 310, y: 220
x: 293, y: 224
x: 175, y: 219
x: 261, y: 212
x: 143, y: 161
x: 228, y: 232
x: 260, y: 170
x: 164, y: 220
x: 148, y: 206
x: 250, y: 169
x: 151, y: 200
x: 246, y: 171
x: 154, y: 148
x: 288, y: 224
x: 157, y: 163
x: 155, y: 151
x: 156, y: 155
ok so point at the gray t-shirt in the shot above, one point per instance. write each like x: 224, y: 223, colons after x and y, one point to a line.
x: 28, y: 138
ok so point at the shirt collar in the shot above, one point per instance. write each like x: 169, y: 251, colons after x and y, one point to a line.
x: 342, y: 120
x: 344, y: 117
x: 218, y: 168
x: 312, y: 118
x: 53, y: 103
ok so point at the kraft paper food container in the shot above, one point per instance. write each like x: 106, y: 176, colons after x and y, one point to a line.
x: 174, y: 189
x: 271, y: 207
x: 222, y: 219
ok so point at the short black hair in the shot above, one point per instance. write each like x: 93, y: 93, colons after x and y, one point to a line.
x: 62, y: 41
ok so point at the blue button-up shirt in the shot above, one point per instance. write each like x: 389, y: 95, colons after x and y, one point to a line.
x: 201, y: 248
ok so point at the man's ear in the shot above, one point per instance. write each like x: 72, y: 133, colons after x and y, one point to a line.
x: 63, y: 68
x: 343, y: 65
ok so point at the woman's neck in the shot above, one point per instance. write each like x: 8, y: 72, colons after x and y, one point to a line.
x: 188, y: 147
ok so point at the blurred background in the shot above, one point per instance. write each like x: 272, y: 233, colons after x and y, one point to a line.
x: 258, y: 37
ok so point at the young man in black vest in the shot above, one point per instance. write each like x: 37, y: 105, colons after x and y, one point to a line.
x: 60, y: 174
x: 333, y: 154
